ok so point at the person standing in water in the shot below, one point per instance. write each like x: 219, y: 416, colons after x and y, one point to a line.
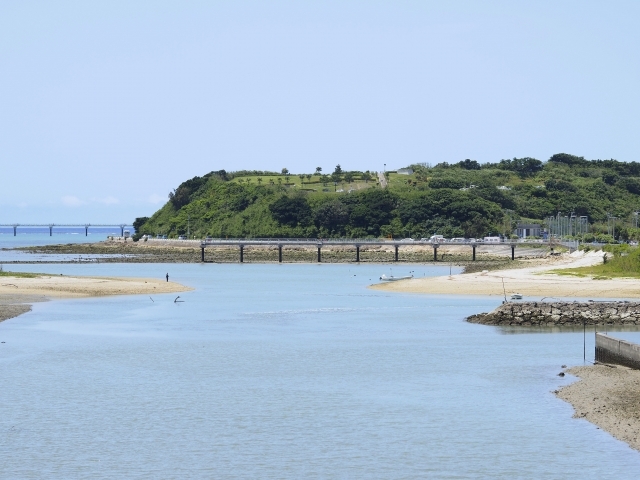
x: 167, y: 277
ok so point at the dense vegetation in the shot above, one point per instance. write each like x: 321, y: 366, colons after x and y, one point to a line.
x: 462, y: 199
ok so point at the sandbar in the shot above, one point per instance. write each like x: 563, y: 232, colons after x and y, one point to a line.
x: 18, y: 293
x: 607, y: 396
x: 533, y: 281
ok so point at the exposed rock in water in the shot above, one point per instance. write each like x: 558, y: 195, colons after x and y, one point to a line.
x: 524, y: 314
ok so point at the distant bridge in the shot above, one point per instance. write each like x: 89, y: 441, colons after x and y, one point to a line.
x: 51, y: 225
x: 357, y: 243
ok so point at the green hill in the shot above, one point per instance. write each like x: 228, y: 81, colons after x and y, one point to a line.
x: 463, y: 199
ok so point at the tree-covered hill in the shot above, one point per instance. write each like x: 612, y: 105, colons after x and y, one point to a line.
x: 462, y: 199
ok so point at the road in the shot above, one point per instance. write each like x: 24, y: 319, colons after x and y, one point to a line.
x: 383, y: 180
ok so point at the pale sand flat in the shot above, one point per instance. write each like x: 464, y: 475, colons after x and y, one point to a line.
x: 530, y: 282
x: 63, y: 286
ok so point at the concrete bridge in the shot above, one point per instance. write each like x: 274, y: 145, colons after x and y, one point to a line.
x: 356, y: 243
x: 51, y: 225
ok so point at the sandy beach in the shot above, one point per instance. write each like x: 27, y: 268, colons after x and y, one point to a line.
x: 607, y: 396
x: 18, y: 293
x: 535, y: 281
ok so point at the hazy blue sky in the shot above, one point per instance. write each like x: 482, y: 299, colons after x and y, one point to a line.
x: 107, y: 106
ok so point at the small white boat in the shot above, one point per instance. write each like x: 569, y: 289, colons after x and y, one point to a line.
x: 516, y: 296
x: 391, y: 278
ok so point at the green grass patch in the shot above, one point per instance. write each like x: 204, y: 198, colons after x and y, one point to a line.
x: 620, y: 263
x: 20, y: 274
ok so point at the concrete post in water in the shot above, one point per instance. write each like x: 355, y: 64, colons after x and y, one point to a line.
x: 396, y: 253
x: 15, y: 230
x: 122, y: 230
x: 357, y: 253
x: 241, y: 253
x: 474, y: 252
x: 51, y: 230
x: 86, y: 230
x: 513, y: 252
x: 319, y: 254
x: 280, y: 253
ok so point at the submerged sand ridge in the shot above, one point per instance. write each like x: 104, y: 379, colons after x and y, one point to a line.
x: 531, y: 281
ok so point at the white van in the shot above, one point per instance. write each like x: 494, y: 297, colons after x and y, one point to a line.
x: 436, y: 238
x: 491, y: 240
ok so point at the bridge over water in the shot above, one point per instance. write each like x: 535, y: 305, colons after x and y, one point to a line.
x: 356, y: 243
x: 50, y: 226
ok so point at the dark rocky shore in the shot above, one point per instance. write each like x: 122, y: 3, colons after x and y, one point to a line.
x: 139, y: 252
x: 523, y: 314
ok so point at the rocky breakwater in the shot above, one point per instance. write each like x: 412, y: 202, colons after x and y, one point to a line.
x: 524, y: 314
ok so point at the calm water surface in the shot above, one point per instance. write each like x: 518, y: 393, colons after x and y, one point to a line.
x: 287, y: 371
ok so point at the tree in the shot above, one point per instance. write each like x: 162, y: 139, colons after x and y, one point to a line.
x: 138, y: 223
x: 318, y: 170
x: 308, y: 178
x: 348, y: 177
x: 366, y: 176
x: 259, y: 180
x: 469, y: 164
x: 524, y: 167
x: 333, y: 216
x: 291, y: 211
x: 285, y: 171
x: 338, y: 170
x: 301, y: 177
x: 279, y: 181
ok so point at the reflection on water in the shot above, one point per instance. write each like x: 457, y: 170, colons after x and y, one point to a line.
x: 287, y: 371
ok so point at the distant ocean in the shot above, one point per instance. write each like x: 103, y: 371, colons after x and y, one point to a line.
x: 37, y: 236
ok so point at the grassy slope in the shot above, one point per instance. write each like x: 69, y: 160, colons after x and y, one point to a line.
x: 622, y: 262
x: 239, y: 208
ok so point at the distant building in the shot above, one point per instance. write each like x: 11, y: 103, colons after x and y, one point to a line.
x: 405, y: 171
x: 524, y: 230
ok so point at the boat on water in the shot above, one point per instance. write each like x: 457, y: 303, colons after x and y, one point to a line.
x: 391, y: 278
x: 516, y: 296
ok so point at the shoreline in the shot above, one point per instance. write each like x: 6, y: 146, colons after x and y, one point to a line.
x: 535, y: 281
x: 18, y: 293
x: 175, y: 252
x: 606, y: 396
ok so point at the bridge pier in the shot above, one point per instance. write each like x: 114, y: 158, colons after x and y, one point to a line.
x: 51, y: 230
x: 15, y: 230
x: 319, y: 254
x: 474, y: 252
x: 435, y: 253
x: 279, y: 253
x: 202, y: 254
x: 86, y: 230
x: 396, y: 258
x: 513, y: 252
x: 357, y: 253
x: 241, y: 253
